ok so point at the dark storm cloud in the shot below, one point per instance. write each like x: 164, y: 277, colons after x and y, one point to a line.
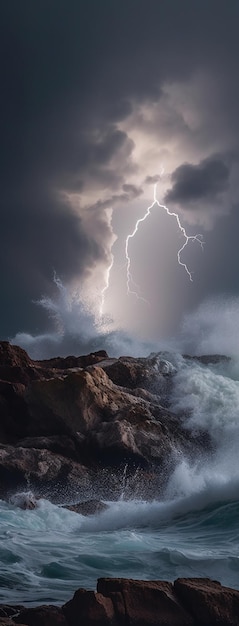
x: 38, y: 234
x: 203, y: 181
x: 70, y: 72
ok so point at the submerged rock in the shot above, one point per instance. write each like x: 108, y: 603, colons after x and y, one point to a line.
x: 24, y: 500
x: 89, y: 507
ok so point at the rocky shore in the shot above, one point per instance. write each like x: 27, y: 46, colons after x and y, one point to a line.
x: 124, y: 602
x: 77, y: 430
x: 76, y: 425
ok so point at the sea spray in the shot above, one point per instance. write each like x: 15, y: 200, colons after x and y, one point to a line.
x: 190, y: 530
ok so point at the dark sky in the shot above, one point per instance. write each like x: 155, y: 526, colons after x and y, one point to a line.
x: 99, y: 100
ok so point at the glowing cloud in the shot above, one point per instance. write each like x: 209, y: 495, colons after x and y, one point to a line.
x: 198, y: 238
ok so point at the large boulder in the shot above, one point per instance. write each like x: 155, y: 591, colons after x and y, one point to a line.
x: 153, y: 373
x: 122, y: 601
x: 42, y: 616
x: 41, y: 470
x: 89, y: 608
x: 15, y: 364
x: 90, y: 412
x: 208, y: 601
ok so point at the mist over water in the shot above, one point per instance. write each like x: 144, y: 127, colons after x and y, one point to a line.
x: 79, y: 328
x: 212, y: 328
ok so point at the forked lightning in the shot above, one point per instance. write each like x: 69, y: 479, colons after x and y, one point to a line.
x: 131, y: 286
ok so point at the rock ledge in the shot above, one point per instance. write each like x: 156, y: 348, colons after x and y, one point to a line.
x: 124, y: 602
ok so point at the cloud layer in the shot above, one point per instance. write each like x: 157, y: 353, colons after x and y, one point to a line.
x: 98, y: 99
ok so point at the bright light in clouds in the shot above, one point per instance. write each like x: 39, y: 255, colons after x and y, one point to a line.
x: 131, y: 286
x: 187, y: 238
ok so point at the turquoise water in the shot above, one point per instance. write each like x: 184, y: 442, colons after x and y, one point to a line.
x: 46, y: 554
x: 192, y: 530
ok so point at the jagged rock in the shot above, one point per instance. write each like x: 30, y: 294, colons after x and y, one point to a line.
x: 153, y: 373
x: 42, y: 616
x: 43, y: 469
x: 13, y: 356
x: 91, y: 608
x: 71, y: 362
x: 114, y: 422
x: 187, y: 602
x: 69, y: 447
x: 147, y: 603
x: 65, y: 420
x: 208, y: 601
x: 8, y: 611
x: 15, y: 364
x: 121, y: 601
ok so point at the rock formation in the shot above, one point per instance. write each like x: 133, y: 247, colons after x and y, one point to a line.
x: 124, y: 602
x: 66, y: 420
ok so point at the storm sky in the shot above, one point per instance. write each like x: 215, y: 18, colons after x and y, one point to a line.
x: 99, y: 101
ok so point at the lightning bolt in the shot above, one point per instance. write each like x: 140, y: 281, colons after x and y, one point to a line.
x: 132, y: 288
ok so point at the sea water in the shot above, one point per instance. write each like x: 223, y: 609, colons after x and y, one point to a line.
x: 191, y: 529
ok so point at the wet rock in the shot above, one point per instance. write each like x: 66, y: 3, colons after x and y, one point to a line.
x: 42, y: 616
x: 64, y: 419
x: 44, y: 471
x: 69, y: 447
x: 91, y: 608
x: 147, y: 603
x: 25, y: 500
x: 116, y: 425
x: 10, y: 611
x: 121, y: 602
x: 153, y: 373
x: 70, y: 362
x: 89, y: 507
x: 208, y: 601
x: 15, y: 364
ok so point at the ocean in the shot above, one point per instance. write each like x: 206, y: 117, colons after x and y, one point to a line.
x: 190, y: 529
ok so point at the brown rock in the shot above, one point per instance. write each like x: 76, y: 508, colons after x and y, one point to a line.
x: 69, y: 404
x: 42, y: 616
x: 70, y: 362
x: 150, y: 373
x: 147, y: 603
x: 15, y: 364
x: 209, y: 602
x: 62, y: 418
x: 116, y: 424
x: 89, y: 608
x: 13, y: 356
x: 64, y: 445
x: 19, y: 465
